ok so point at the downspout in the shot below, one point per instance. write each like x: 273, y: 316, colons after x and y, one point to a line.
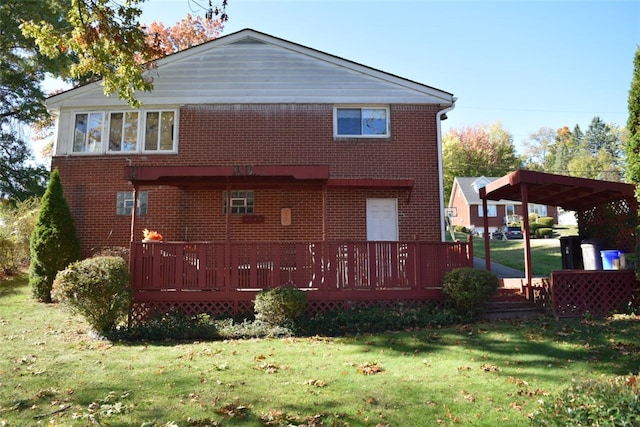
x: 439, y: 119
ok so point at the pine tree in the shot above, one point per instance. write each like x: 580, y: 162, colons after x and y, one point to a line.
x: 54, y: 243
x: 633, y: 127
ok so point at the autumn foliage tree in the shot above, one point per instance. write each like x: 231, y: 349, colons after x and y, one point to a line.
x: 106, y: 41
x: 184, y: 34
x: 477, y: 151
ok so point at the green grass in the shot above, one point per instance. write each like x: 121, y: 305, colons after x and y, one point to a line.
x: 545, y: 253
x: 53, y: 372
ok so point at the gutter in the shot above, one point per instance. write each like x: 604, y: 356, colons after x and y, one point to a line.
x: 439, y: 119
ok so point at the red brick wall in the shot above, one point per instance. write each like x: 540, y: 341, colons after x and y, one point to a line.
x: 265, y: 135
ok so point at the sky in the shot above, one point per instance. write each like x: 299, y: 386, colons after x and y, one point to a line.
x: 526, y: 64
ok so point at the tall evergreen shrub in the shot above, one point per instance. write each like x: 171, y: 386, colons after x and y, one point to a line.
x: 54, y: 243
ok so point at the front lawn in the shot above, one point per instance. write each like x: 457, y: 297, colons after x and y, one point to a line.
x: 54, y: 372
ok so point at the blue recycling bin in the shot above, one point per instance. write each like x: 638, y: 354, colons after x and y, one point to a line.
x: 610, y: 259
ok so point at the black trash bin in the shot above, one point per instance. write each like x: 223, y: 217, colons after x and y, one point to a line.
x: 571, y: 252
x: 591, y: 258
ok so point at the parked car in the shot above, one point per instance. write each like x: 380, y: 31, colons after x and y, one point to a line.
x: 508, y: 233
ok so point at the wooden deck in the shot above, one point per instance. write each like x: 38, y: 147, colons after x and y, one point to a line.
x: 224, y: 277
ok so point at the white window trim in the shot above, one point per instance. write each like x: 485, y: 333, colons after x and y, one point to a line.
x: 492, y: 211
x: 106, y: 122
x: 72, y: 138
x: 361, y: 136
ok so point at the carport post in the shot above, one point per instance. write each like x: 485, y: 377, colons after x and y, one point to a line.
x: 524, y: 196
x: 487, y: 246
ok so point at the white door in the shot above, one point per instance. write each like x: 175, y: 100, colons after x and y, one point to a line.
x: 382, y: 219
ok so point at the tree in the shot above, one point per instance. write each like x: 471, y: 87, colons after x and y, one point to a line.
x: 477, y: 151
x: 23, y: 67
x: 184, y: 34
x: 564, y: 149
x: 16, y: 225
x: 54, y: 243
x: 538, y: 148
x: 19, y: 180
x: 599, y: 153
x: 107, y: 43
x: 632, y: 148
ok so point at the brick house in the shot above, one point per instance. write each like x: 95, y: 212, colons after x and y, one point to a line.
x: 465, y: 206
x: 252, y: 138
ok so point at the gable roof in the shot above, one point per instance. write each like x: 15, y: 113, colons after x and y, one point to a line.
x: 253, y: 67
x: 470, y: 186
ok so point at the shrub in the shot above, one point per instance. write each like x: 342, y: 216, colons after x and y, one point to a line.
x: 279, y: 305
x: 96, y: 288
x: 377, y: 318
x: 608, y: 401
x: 17, y: 221
x: 54, y: 243
x: 546, y: 221
x: 460, y: 229
x: 468, y: 289
x: 176, y: 326
x: 544, y: 232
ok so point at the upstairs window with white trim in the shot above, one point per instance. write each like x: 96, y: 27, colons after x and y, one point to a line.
x: 159, y: 131
x: 125, y: 132
x: 361, y: 122
x: 87, y: 135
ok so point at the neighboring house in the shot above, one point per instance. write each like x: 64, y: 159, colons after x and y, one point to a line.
x: 465, y: 206
x: 254, y: 138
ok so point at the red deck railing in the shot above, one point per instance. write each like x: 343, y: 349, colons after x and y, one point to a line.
x: 213, y: 276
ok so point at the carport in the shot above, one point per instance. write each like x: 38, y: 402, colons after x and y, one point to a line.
x: 605, y: 210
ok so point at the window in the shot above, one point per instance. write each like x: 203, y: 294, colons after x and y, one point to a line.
x: 159, y: 131
x: 241, y: 202
x: 510, y: 210
x: 87, y: 136
x: 362, y: 122
x: 124, y: 203
x: 492, y: 211
x: 540, y: 210
x: 123, y: 131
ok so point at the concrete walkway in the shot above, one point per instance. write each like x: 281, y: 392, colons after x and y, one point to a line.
x: 502, y: 271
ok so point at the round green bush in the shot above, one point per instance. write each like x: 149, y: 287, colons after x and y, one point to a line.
x: 544, y: 232
x: 96, y: 288
x: 279, y: 305
x: 546, y: 221
x: 468, y: 289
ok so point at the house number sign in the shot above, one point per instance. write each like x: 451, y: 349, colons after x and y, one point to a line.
x: 240, y: 170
